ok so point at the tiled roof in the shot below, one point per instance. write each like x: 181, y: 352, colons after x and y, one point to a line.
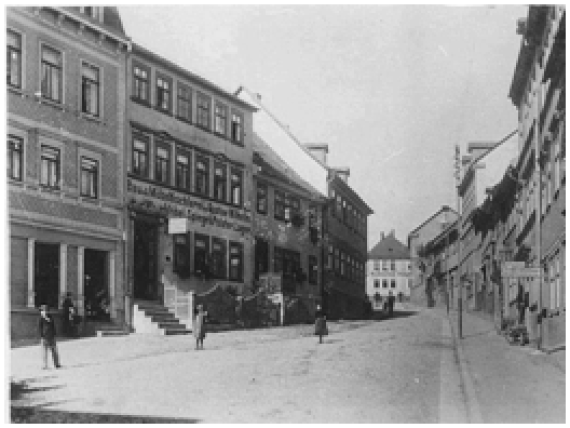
x: 389, y: 248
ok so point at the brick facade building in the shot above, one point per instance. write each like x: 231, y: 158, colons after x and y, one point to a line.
x: 65, y: 125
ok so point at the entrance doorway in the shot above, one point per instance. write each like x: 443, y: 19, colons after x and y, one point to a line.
x: 46, y: 275
x: 96, y: 285
x: 144, y: 263
x: 261, y: 256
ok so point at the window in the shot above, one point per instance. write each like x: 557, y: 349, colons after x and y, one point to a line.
x: 385, y: 265
x: 376, y: 264
x: 202, y: 175
x: 140, y: 81
x: 93, y: 12
x: 330, y: 261
x: 182, y: 254
x: 236, y: 261
x: 90, y: 89
x: 184, y: 107
x: 237, y: 128
x: 392, y: 265
x: 376, y: 283
x: 220, y: 119
x: 384, y: 283
x: 52, y: 80
x: 89, y: 177
x: 293, y: 207
x: 261, y: 198
x: 313, y: 270
x: 50, y: 164
x: 140, y: 157
x: 392, y: 283
x: 339, y: 206
x: 15, y: 158
x: 236, y: 186
x: 218, y: 259
x: 163, y: 94
x: 279, y: 205
x: 344, y: 212
x: 183, y: 170
x: 14, y: 59
x: 162, y: 164
x: 203, y: 118
x: 201, y: 251
x: 220, y: 181
x: 342, y: 264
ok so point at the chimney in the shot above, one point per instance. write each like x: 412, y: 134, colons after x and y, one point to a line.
x: 392, y: 233
x: 342, y: 172
x: 319, y: 151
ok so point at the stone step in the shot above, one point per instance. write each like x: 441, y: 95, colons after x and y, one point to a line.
x: 161, y: 317
x: 103, y: 333
x: 173, y: 325
x: 171, y: 332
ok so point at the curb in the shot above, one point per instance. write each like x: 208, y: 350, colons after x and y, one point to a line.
x: 472, y: 404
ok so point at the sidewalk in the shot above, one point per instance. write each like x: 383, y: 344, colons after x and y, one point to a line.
x: 506, y: 383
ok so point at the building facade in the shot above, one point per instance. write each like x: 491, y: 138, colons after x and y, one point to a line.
x: 388, y: 271
x: 188, y: 184
x: 65, y: 124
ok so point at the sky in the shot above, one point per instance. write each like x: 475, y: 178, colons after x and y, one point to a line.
x: 391, y: 89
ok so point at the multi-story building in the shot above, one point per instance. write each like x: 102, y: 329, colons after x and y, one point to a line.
x: 538, y: 92
x: 388, y: 270
x: 65, y: 125
x: 344, y: 226
x: 417, y: 241
x: 188, y: 181
x: 287, y: 232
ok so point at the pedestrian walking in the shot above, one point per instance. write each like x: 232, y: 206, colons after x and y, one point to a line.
x: 320, y: 324
x: 46, y: 327
x: 199, y: 327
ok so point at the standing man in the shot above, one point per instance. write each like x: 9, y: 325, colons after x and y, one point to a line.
x: 199, y: 327
x: 320, y: 323
x: 46, y: 327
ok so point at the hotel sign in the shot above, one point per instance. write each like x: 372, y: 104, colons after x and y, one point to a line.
x: 173, y: 204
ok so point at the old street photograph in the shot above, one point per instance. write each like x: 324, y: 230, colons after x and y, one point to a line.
x: 294, y: 213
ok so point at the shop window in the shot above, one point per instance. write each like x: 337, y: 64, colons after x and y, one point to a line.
x: 163, y: 94
x: 221, y: 117
x: 237, y: 128
x: 202, y: 175
x: 203, y: 114
x: 184, y: 103
x: 313, y: 270
x: 90, y: 89
x: 236, y: 261
x: 201, y: 251
x: 237, y: 187
x: 182, y: 255
x: 52, y: 78
x: 140, y: 156
x: 183, y: 170
x: 89, y: 177
x: 14, y: 59
x: 262, y: 198
x: 279, y: 205
x: 15, y: 158
x: 140, y: 83
x: 162, y: 164
x: 220, y: 181
x: 50, y: 167
x: 218, y: 258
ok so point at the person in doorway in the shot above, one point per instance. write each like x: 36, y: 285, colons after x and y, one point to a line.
x: 199, y: 327
x: 391, y: 301
x: 67, y: 315
x: 46, y: 329
x: 320, y: 323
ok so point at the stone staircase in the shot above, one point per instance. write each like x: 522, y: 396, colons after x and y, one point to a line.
x: 153, y: 318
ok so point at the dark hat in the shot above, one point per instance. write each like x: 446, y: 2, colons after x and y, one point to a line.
x: 43, y: 307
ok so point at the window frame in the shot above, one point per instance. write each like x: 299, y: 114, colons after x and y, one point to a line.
x: 181, y: 254
x: 220, y: 180
x: 201, y: 266
x: 183, y: 87
x: 136, y: 88
x: 183, y: 153
x: 60, y: 73
x: 236, y: 185
x: 146, y: 140
x: 98, y: 89
x: 95, y: 178
x: 240, y: 127
x: 222, y: 272
x: 258, y: 186
x: 220, y: 117
x: 239, y: 246
x: 158, y: 160
x: 199, y: 158
x: 203, y: 111
x: 57, y: 162
x: 10, y: 160
x: 161, y: 91
x: 279, y: 204
x: 11, y: 50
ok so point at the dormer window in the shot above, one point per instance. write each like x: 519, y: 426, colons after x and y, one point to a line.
x: 93, y: 12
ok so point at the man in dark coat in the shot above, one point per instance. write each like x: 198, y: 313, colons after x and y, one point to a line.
x: 320, y: 324
x: 46, y: 329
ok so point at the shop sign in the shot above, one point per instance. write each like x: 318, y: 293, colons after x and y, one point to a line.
x: 177, y: 225
x: 170, y: 203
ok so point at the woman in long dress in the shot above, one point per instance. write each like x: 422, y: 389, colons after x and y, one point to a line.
x: 320, y: 324
x: 199, y: 327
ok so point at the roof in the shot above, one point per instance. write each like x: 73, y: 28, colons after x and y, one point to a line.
x: 389, y: 248
x: 443, y: 208
x: 272, y: 164
x: 111, y: 19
